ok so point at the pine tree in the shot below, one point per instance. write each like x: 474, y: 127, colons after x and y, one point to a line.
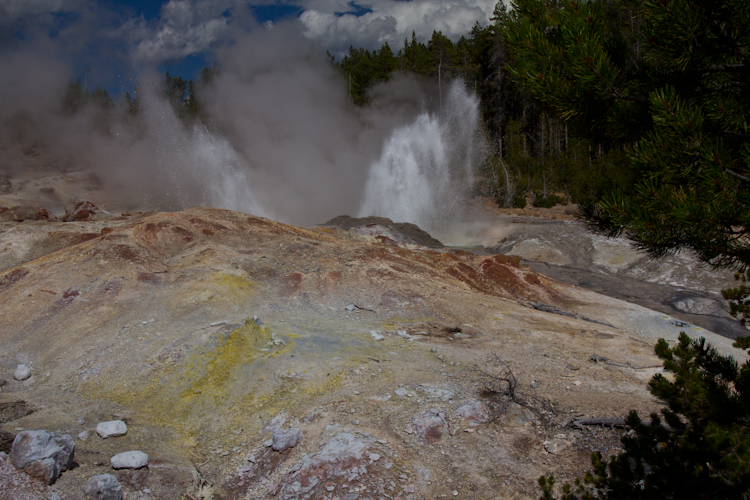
x: 699, y: 448
x: 670, y: 77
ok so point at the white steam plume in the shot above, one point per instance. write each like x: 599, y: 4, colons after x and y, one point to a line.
x: 426, y: 169
x: 282, y: 138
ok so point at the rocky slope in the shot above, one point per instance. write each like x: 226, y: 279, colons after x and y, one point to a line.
x: 554, y: 243
x: 218, y: 336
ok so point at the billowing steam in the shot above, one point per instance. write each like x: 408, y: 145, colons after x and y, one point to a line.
x: 281, y: 140
x: 426, y: 167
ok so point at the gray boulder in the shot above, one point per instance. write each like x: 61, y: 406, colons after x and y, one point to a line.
x: 129, y: 460
x: 283, y: 440
x: 42, y: 454
x: 103, y: 487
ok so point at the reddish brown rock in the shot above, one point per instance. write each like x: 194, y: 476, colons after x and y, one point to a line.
x: 21, y: 214
x: 430, y: 425
x: 76, y: 209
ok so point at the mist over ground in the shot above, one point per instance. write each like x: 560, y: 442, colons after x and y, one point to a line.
x: 281, y: 138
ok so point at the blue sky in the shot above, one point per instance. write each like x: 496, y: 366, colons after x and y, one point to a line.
x: 110, y: 42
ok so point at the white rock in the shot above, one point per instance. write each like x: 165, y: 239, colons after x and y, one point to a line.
x: 22, y: 372
x: 84, y: 435
x: 555, y: 446
x: 402, y: 333
x: 129, y: 460
x: 376, y: 335
x: 113, y: 428
x: 405, y: 393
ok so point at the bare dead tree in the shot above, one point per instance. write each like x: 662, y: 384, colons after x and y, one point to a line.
x: 500, y: 389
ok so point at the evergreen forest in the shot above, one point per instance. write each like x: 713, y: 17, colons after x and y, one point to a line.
x: 534, y: 153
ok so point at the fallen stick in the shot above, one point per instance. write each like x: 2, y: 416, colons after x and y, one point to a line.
x: 603, y: 359
x: 604, y: 422
x: 611, y: 422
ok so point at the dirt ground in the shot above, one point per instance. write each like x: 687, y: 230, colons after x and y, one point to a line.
x: 389, y: 358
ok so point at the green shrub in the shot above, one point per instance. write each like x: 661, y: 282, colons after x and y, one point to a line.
x: 698, y: 448
x: 549, y: 201
x: 519, y: 200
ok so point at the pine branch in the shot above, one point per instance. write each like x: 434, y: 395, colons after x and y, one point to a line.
x: 738, y: 134
x: 722, y: 68
x: 736, y: 175
x: 635, y: 98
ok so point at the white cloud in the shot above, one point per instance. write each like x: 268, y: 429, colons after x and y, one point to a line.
x: 389, y: 21
x: 186, y: 27
x: 192, y: 26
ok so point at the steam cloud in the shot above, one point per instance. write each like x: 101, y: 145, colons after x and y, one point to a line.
x: 283, y: 140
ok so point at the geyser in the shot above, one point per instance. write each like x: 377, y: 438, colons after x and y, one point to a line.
x: 425, y: 171
x: 278, y: 137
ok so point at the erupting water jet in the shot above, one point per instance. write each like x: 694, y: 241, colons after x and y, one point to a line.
x: 425, y: 172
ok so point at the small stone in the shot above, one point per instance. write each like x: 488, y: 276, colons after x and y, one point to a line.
x: 129, y: 460
x: 350, y: 307
x: 403, y: 334
x: 22, y: 373
x: 54, y: 496
x: 376, y: 335
x: 555, y: 446
x: 380, y: 399
x: 455, y: 493
x: 84, y: 435
x: 576, y: 383
x: 113, y: 428
x: 571, y: 366
x: 430, y: 425
x: 283, y: 440
x: 103, y: 487
x: 473, y: 411
x: 374, y: 457
x: 3, y: 382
